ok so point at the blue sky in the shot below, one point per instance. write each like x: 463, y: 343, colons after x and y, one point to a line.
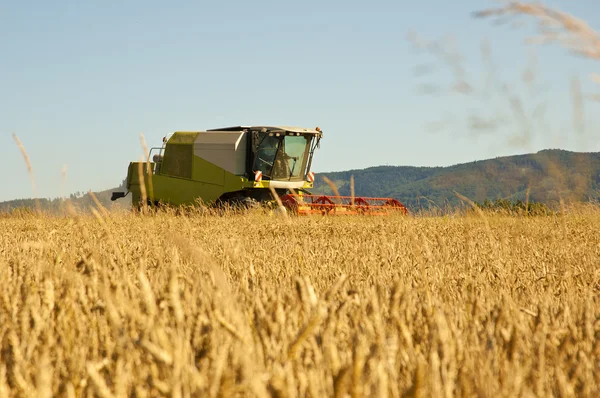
x: 81, y: 80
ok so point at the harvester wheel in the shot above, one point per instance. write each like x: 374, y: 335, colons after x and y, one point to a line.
x: 152, y: 206
x: 238, y: 203
x: 250, y: 203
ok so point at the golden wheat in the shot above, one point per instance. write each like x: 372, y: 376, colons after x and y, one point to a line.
x: 117, y: 304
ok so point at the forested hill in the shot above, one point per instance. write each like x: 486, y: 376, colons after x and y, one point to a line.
x: 549, y: 174
x: 80, y: 200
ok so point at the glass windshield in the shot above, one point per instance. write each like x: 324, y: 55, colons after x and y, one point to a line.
x: 289, y: 162
x: 265, y: 155
x: 282, y: 158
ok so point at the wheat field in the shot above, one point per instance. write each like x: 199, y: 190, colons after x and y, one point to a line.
x: 119, y: 304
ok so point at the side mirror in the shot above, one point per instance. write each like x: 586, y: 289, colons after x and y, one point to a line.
x: 117, y: 195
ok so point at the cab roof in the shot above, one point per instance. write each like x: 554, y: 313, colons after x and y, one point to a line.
x: 291, y: 129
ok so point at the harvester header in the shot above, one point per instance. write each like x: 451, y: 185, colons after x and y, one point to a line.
x: 237, y: 165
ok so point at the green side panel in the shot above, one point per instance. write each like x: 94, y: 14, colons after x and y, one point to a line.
x: 209, y: 173
x: 234, y: 183
x: 135, y: 179
x: 205, y: 171
x: 133, y: 175
x: 178, y: 191
x: 181, y: 191
x: 182, y: 138
x: 178, y: 159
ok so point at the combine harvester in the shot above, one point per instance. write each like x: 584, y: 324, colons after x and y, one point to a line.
x: 241, y: 166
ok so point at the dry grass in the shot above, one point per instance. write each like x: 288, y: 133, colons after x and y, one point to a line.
x: 554, y: 26
x: 123, y: 305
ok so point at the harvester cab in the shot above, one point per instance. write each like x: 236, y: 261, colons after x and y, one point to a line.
x: 239, y: 165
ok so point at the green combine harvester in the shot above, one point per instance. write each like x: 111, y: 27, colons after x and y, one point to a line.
x: 240, y: 166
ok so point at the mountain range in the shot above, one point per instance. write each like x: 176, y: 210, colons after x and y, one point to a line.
x: 546, y: 176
